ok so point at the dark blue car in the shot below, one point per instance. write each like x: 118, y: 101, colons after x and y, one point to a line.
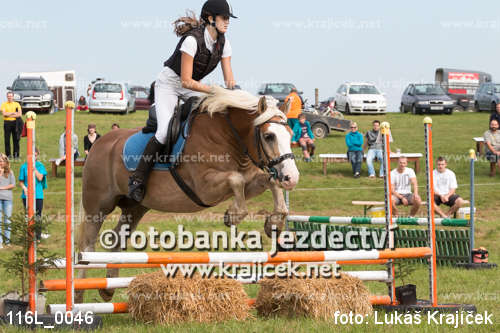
x: 426, y: 98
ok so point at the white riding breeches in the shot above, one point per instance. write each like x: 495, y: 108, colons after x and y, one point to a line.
x: 168, y: 89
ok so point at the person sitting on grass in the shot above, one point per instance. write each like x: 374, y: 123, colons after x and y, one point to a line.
x: 302, y: 134
x: 82, y: 104
x: 445, y: 185
x: 492, y: 141
x: 354, y: 142
x: 402, y: 179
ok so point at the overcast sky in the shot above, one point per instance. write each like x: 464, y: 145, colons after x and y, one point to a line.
x: 313, y: 44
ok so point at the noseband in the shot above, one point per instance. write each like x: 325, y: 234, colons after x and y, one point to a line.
x: 268, y: 164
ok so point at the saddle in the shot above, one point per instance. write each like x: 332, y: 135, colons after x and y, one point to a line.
x: 183, y: 115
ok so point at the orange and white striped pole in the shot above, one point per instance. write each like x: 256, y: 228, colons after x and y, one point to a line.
x: 248, y: 257
x: 31, y: 207
x: 70, y: 288
x: 430, y: 210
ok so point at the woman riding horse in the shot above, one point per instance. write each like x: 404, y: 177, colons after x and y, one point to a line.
x: 201, y: 47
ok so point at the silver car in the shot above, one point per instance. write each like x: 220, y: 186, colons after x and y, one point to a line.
x: 111, y: 97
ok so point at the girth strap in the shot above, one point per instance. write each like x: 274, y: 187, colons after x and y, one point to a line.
x: 186, y: 189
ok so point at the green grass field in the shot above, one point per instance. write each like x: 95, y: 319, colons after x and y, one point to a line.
x: 315, y: 195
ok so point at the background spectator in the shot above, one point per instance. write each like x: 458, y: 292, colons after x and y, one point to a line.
x: 402, y: 179
x: 492, y: 141
x: 40, y: 185
x: 354, y: 142
x: 445, y: 185
x: 62, y: 147
x: 115, y: 126
x: 295, y: 107
x: 303, y: 134
x: 375, y: 150
x: 90, y: 138
x: 496, y: 115
x: 11, y: 111
x: 7, y: 183
x: 82, y: 104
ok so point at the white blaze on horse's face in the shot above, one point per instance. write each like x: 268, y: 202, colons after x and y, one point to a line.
x: 287, y: 168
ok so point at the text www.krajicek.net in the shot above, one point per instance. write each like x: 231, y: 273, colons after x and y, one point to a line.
x: 252, y: 272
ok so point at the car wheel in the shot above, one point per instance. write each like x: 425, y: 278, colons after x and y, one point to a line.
x: 347, y: 109
x: 319, y: 130
x: 450, y: 112
x: 413, y: 109
x: 402, y: 108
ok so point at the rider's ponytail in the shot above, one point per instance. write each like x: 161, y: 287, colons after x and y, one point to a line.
x: 186, y: 23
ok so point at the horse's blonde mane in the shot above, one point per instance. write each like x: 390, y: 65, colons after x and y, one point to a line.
x: 222, y: 98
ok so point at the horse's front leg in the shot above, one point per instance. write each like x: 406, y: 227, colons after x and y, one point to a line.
x: 278, y: 217
x: 237, y: 211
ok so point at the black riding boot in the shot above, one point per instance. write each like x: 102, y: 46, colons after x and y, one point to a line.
x: 137, y: 181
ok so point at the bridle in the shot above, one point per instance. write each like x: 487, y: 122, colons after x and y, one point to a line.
x: 266, y: 164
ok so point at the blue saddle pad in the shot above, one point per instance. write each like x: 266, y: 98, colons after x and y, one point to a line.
x: 134, y: 146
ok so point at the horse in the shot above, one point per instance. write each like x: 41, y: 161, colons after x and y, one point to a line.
x: 250, y: 133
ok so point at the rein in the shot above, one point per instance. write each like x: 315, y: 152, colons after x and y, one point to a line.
x: 269, y: 166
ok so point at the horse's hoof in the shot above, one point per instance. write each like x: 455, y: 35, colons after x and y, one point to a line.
x: 233, y: 218
x: 106, y: 294
x: 277, y: 220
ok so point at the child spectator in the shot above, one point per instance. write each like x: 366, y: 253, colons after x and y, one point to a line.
x: 295, y: 107
x: 7, y: 183
x: 90, y: 138
x: 40, y: 185
x: 115, y: 126
x: 354, y: 142
x: 302, y: 134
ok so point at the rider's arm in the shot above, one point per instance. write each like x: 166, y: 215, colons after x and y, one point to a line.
x: 187, y: 75
x: 228, y: 73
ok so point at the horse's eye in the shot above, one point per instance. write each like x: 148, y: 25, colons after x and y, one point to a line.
x: 269, y: 137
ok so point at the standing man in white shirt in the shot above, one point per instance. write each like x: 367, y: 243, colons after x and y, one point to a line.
x: 402, y: 180
x: 445, y: 185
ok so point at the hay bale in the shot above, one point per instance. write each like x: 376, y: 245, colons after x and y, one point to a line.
x: 154, y: 298
x: 316, y: 298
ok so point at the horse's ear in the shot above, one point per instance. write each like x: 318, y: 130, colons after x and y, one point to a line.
x: 262, y: 106
x: 285, y: 107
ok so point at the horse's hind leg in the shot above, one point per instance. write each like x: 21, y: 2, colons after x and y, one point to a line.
x: 131, y: 215
x: 88, y: 232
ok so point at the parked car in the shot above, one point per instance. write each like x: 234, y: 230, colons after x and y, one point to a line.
x: 426, y: 98
x: 111, y: 97
x: 360, y: 97
x: 487, y: 97
x: 141, y: 100
x: 33, y: 94
x: 277, y: 90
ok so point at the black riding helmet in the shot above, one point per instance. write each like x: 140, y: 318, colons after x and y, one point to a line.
x: 214, y: 8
